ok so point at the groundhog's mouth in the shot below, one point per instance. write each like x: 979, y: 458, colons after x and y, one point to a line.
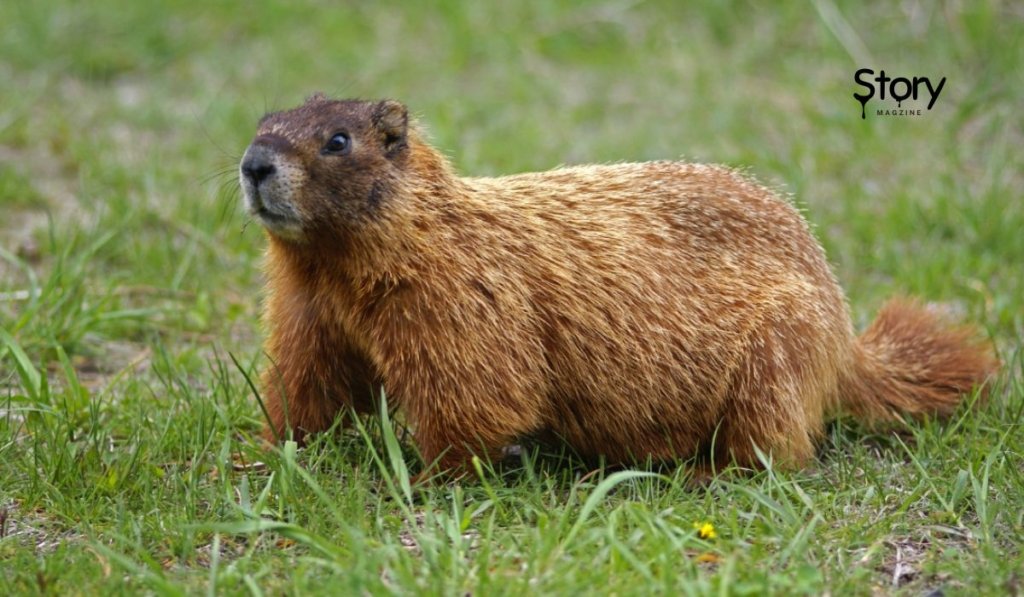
x: 269, y: 217
x: 285, y: 225
x: 265, y: 214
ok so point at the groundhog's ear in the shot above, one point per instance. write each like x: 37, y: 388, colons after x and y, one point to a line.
x: 392, y: 119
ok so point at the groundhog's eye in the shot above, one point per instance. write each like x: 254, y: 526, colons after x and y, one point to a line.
x: 338, y: 143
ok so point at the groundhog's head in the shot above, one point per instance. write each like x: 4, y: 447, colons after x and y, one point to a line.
x: 324, y: 168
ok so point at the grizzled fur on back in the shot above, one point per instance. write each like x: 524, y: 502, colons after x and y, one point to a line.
x: 653, y: 310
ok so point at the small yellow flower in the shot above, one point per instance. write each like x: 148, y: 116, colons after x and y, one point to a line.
x: 705, y: 530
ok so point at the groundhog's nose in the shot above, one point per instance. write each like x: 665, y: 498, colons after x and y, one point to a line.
x: 257, y: 167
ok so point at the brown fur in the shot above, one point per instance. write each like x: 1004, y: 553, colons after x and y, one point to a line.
x: 663, y: 310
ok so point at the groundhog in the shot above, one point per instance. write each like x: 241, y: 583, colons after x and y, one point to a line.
x: 667, y: 311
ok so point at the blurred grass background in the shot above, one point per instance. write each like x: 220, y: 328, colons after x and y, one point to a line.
x: 128, y: 276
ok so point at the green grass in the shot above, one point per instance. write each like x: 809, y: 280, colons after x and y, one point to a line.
x: 130, y: 286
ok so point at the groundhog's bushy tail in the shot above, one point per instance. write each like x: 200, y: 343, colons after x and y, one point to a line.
x: 912, y: 362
